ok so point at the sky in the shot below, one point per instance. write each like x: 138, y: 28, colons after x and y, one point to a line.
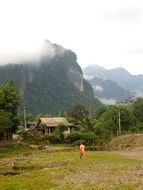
x: 108, y: 33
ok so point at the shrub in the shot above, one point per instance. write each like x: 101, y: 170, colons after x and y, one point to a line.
x: 78, y: 135
x: 55, y: 139
x: 137, y: 128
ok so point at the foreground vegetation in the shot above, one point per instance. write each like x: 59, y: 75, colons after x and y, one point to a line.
x: 22, y: 168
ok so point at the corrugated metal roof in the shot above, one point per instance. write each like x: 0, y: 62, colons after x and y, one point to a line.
x: 54, y: 121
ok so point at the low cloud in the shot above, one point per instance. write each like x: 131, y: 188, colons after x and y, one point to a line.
x: 97, y: 88
x: 108, y: 101
x: 138, y: 93
x: 31, y: 54
x: 88, y: 77
x: 51, y: 50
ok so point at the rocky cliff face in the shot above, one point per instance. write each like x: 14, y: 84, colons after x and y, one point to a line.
x: 62, y: 56
x: 76, y: 77
x: 53, y: 83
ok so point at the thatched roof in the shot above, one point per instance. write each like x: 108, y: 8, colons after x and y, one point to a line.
x: 54, y: 121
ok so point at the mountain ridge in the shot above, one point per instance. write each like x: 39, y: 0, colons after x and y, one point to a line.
x: 126, y: 84
x: 53, y: 83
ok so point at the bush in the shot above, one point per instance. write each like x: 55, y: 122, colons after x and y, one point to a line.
x: 32, y: 136
x: 29, y: 134
x: 55, y: 139
x: 137, y: 128
x: 84, y: 136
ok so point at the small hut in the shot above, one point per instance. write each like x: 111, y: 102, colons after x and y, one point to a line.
x: 51, y: 123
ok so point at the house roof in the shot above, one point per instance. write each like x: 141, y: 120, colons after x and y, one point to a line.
x: 54, y: 121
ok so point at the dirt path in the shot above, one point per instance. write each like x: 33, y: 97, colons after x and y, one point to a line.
x: 136, y: 153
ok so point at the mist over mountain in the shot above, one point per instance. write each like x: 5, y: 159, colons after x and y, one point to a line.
x: 126, y: 84
x: 108, y: 91
x: 51, y: 83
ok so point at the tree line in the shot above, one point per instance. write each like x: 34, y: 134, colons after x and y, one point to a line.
x: 101, y: 126
x: 98, y: 126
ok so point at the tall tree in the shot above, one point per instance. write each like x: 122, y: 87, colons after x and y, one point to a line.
x: 5, y: 125
x: 110, y: 120
x: 137, y: 109
x: 12, y: 100
x: 11, y: 97
x: 9, y: 102
x: 78, y: 113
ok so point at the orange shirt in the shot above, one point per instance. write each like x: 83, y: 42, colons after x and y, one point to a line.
x: 82, y: 148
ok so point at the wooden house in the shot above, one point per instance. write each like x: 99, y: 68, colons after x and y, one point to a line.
x: 49, y: 124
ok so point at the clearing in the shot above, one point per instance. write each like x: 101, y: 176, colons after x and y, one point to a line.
x: 24, y: 168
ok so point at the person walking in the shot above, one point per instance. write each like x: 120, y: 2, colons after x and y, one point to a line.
x: 82, y: 150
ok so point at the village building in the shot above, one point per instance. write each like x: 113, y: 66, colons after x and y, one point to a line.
x: 51, y: 123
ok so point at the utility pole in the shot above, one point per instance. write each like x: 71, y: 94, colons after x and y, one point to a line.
x: 24, y: 114
x: 119, y: 123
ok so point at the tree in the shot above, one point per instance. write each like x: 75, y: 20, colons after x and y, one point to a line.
x: 109, y: 120
x: 100, y: 111
x: 137, y: 109
x: 102, y: 135
x: 12, y: 101
x: 78, y: 113
x: 127, y: 119
x: 60, y: 131
x: 11, y: 96
x: 87, y: 124
x: 2, y: 98
x: 5, y: 125
x: 9, y: 101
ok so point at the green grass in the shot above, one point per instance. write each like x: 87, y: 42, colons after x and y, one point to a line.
x: 13, y: 149
x: 25, y: 169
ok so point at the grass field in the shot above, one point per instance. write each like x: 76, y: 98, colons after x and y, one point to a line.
x: 22, y: 168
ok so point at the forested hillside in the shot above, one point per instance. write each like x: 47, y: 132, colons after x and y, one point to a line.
x: 122, y: 77
x: 51, y: 84
x: 108, y: 90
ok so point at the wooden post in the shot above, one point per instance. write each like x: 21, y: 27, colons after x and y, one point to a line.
x: 119, y: 123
